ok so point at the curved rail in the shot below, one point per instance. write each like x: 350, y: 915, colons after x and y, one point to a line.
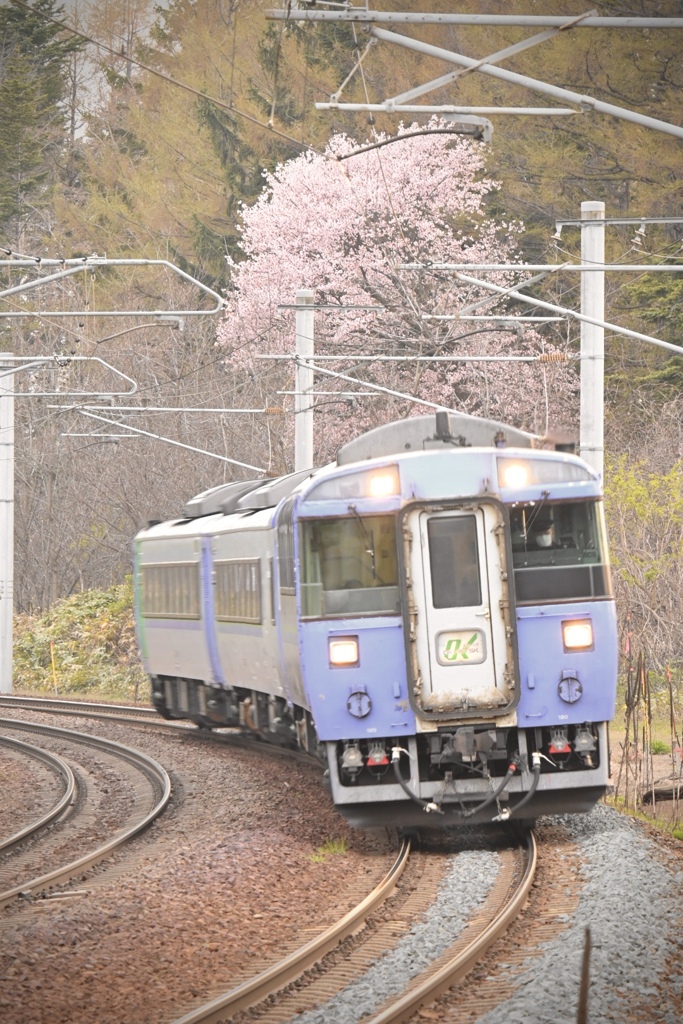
x: 60, y: 766
x: 291, y: 967
x: 142, y: 761
x: 58, y: 705
x: 149, y: 718
x: 458, y: 966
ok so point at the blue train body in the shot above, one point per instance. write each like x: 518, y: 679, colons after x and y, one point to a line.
x: 432, y: 614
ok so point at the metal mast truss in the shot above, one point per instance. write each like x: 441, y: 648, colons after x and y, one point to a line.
x: 488, y: 65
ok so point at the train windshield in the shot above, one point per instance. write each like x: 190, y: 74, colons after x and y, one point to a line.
x: 559, y: 551
x: 349, y: 566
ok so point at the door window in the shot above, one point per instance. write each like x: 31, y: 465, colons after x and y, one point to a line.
x: 454, y: 561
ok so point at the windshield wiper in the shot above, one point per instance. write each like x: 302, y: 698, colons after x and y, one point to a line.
x: 370, y: 550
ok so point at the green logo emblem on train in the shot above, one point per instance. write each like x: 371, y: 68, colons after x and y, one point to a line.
x: 461, y: 647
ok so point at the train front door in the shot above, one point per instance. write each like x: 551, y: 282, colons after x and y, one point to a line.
x: 462, y: 646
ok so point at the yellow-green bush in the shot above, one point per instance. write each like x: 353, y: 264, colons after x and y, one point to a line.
x: 92, y: 636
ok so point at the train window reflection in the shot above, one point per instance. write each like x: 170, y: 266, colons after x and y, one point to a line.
x: 349, y: 566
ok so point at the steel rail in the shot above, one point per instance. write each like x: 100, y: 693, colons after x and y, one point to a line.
x: 291, y: 967
x: 144, y: 716
x: 438, y: 982
x: 80, y: 706
x: 147, y: 765
x: 59, y: 765
x: 120, y: 714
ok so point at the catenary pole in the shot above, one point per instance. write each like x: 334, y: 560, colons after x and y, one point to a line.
x: 6, y: 524
x: 591, y: 431
x: 303, y: 402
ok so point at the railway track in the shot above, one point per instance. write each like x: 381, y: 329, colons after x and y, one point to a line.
x: 503, y: 905
x: 149, y: 801
x: 149, y: 718
x: 278, y: 993
x: 61, y: 769
x: 310, y: 975
x: 84, y: 709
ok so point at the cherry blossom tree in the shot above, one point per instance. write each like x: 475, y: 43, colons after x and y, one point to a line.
x: 345, y: 229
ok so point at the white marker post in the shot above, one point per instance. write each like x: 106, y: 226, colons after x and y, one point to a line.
x: 6, y: 524
x: 592, y: 432
x: 303, y: 399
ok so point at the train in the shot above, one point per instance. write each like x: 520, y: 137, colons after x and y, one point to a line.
x: 431, y: 615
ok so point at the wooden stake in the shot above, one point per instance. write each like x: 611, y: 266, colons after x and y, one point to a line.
x: 582, y: 1013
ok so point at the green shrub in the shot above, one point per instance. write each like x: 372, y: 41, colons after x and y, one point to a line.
x: 92, y: 638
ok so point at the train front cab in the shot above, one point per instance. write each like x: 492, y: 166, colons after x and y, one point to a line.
x: 460, y: 675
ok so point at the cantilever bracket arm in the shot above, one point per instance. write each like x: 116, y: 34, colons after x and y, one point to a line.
x: 565, y: 95
x: 57, y: 361
x: 138, y: 432
x: 507, y: 291
x: 615, y: 328
x: 493, y: 58
x: 75, y: 266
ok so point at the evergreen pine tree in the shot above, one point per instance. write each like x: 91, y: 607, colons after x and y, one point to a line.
x: 34, y: 55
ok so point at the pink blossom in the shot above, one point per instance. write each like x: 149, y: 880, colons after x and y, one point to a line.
x: 343, y: 229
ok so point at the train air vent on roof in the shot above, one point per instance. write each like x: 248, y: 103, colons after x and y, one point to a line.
x: 210, y: 502
x: 232, y: 502
x: 272, y: 492
x: 442, y: 430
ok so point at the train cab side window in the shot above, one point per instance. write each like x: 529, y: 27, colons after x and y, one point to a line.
x: 559, y: 551
x: 349, y: 566
x: 285, y: 547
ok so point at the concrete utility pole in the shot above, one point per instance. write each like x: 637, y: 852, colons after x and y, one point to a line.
x: 591, y: 434
x: 303, y: 400
x: 6, y: 523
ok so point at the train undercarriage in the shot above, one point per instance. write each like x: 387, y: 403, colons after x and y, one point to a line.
x: 470, y: 774
x: 214, y: 707
x: 465, y: 774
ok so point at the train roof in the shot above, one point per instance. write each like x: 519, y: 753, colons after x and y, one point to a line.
x: 440, y: 430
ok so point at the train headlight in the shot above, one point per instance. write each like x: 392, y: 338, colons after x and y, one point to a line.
x: 383, y: 483
x: 368, y: 483
x: 518, y: 473
x: 577, y: 635
x: 513, y: 474
x: 343, y: 651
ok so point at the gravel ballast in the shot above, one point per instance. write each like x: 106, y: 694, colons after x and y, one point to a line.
x: 236, y: 869
x: 632, y: 901
x: 465, y: 887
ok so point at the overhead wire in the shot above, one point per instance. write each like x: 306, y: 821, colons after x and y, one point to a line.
x: 269, y: 126
x: 172, y: 80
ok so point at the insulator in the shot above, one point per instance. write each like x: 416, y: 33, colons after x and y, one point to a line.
x: 274, y: 410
